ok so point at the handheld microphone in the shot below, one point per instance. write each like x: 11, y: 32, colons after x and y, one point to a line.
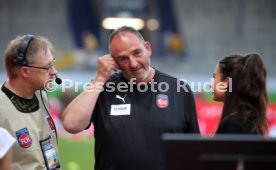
x: 58, y: 80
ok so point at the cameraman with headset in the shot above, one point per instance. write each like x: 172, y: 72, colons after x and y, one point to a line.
x: 24, y: 107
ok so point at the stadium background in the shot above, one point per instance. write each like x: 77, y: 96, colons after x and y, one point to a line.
x: 188, y: 37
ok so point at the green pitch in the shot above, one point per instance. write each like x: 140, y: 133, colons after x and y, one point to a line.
x: 76, y: 155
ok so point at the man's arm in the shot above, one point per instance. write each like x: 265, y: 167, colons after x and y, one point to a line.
x: 77, y: 114
x: 6, y: 161
x: 6, y: 143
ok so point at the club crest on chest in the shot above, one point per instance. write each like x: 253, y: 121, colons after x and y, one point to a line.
x: 162, y: 100
x: 24, y: 138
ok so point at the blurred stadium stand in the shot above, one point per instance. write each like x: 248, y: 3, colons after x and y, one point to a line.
x: 39, y: 17
x: 210, y: 30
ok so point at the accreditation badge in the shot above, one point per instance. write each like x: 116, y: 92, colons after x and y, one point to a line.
x: 49, y: 154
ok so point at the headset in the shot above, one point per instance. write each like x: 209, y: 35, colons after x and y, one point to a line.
x: 20, y: 59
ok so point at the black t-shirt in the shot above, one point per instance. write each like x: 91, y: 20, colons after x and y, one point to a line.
x: 235, y: 125
x: 128, y: 124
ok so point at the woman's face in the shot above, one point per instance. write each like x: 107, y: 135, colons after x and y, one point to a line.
x: 219, y: 85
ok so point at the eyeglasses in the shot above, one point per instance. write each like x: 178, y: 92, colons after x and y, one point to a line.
x: 49, y: 67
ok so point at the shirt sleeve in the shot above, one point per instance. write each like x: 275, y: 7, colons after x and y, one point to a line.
x: 6, y: 142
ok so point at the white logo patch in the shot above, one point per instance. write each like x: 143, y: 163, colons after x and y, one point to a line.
x: 121, y: 109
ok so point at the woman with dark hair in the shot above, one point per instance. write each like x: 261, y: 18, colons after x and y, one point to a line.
x: 240, y: 83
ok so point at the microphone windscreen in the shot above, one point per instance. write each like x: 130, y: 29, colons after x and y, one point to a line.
x: 58, y: 80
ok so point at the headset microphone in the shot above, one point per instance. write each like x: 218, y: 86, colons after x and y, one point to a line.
x: 58, y: 80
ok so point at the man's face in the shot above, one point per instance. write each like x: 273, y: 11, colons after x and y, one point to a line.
x: 132, y: 55
x: 42, y: 69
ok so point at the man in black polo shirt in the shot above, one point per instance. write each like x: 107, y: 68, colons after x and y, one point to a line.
x: 132, y: 108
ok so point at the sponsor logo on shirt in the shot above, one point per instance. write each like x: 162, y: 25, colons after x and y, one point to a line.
x: 162, y: 100
x: 121, y: 98
x: 51, y: 123
x: 23, y: 137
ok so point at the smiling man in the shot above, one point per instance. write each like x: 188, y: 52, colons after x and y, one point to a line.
x: 129, y: 121
x: 24, y: 108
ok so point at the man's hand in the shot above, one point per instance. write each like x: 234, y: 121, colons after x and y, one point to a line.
x: 106, y: 65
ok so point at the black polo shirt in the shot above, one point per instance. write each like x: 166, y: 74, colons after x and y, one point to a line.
x: 129, y: 123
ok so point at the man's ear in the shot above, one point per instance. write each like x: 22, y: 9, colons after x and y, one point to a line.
x: 148, y: 47
x: 24, y: 71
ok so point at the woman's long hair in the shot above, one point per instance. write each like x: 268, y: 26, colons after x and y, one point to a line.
x: 248, y: 98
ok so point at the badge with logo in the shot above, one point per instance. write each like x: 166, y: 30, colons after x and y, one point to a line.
x: 162, y: 100
x: 23, y: 137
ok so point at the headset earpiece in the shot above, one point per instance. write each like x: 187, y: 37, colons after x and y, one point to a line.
x: 20, y: 59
